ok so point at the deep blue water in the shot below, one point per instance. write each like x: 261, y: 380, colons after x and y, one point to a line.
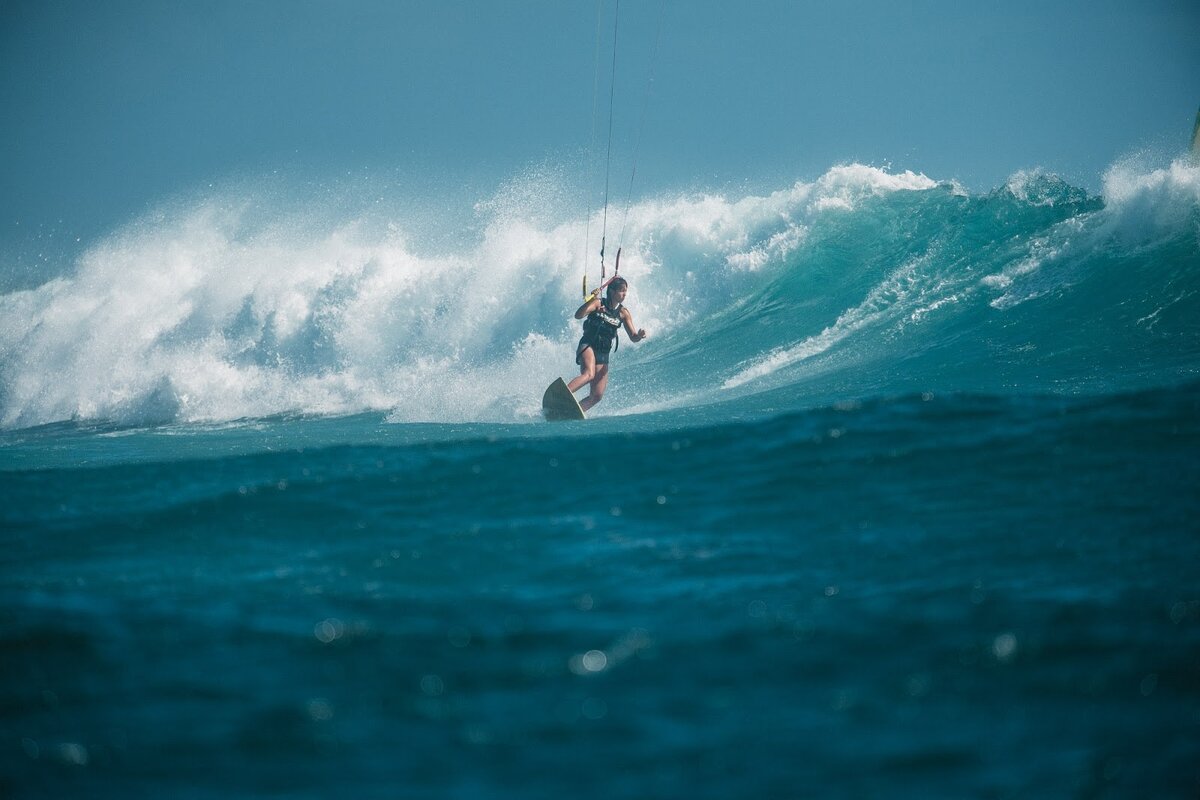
x: 899, y: 498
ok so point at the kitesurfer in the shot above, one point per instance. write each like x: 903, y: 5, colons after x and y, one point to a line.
x: 601, y: 320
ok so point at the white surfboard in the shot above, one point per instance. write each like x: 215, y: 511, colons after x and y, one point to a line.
x: 558, y: 403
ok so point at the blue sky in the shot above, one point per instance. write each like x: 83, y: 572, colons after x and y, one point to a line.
x: 110, y: 108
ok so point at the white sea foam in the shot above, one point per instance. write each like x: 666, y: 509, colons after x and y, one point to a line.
x: 195, y: 317
x: 229, y: 307
x: 1143, y: 207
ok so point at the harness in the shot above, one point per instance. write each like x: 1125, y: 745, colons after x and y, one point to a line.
x: 600, y: 327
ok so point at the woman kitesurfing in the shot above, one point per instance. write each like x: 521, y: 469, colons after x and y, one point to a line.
x: 603, y: 311
x: 601, y: 320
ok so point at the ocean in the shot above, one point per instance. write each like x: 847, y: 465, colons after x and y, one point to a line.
x: 898, y: 498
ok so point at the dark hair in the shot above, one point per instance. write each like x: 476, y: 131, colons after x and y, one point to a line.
x: 617, y: 284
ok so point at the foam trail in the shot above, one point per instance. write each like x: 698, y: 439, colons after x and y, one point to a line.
x: 898, y: 293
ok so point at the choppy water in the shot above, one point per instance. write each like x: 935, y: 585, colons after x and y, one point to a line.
x: 900, y: 497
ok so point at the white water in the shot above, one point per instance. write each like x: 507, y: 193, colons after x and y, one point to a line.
x: 217, y: 309
x: 232, y: 305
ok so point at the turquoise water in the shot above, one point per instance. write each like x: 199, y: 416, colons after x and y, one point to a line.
x: 899, y: 497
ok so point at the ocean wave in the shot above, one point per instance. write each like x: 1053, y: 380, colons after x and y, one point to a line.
x: 234, y: 305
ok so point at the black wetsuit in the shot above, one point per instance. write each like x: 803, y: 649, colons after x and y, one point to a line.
x: 599, y: 332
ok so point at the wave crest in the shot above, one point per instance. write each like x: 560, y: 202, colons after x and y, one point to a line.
x: 237, y: 306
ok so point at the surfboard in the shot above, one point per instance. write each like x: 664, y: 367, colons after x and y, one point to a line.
x: 558, y: 403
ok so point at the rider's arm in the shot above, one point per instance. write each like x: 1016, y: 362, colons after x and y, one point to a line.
x: 588, y: 307
x: 635, y: 335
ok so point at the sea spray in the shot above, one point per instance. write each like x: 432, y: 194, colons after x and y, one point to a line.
x: 860, y: 282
